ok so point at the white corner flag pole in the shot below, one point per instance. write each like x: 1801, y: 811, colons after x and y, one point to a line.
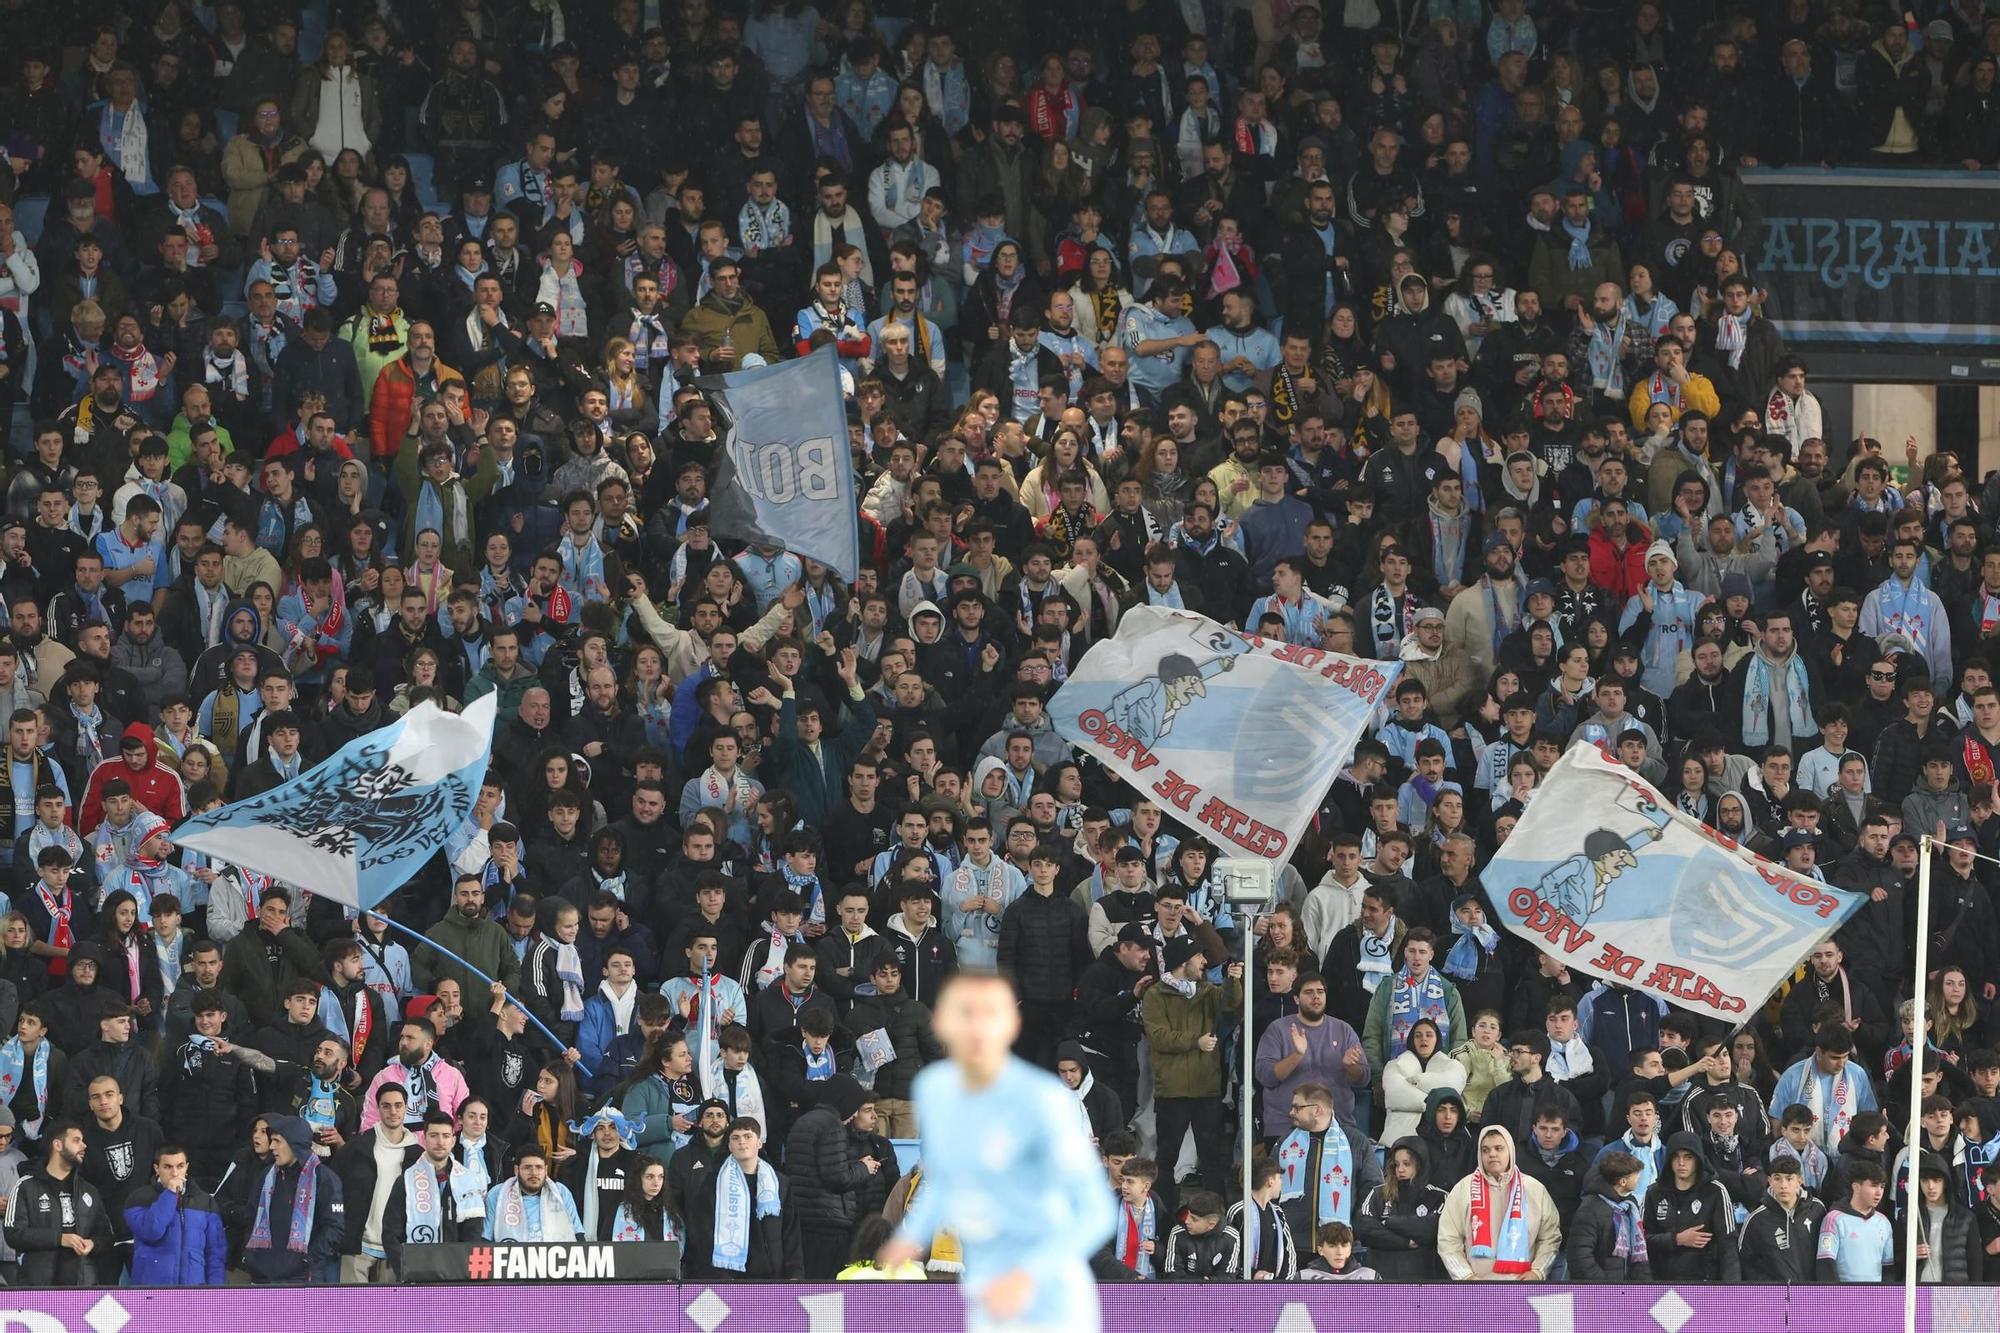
x: 1919, y: 1036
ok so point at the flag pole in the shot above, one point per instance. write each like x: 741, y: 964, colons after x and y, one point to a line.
x: 1247, y: 1094
x: 512, y: 999
x: 1919, y: 1035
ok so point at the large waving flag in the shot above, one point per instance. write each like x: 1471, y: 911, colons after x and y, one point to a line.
x: 1239, y: 735
x: 1605, y: 873
x: 784, y: 477
x: 356, y: 826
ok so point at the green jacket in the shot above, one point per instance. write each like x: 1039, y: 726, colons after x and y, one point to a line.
x: 480, y: 942
x: 456, y: 525
x: 748, y: 328
x: 1175, y: 1024
x: 487, y: 681
x: 1375, y: 1034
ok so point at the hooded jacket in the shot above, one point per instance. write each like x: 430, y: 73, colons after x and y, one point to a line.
x: 1455, y: 1226
x: 824, y: 1159
x: 1671, y: 1210
x: 156, y: 787
x: 1101, y: 1106
x: 278, y: 1262
x: 1401, y: 1232
x: 1593, y: 1237
x: 1954, y: 1239
x: 1562, y: 1172
x: 1452, y: 1157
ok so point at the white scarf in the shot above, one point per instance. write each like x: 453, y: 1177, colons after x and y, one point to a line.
x: 715, y: 789
x: 746, y: 1097
x: 765, y: 227
x: 569, y: 971
x: 1829, y: 1130
x: 477, y: 334
x: 512, y: 1222
x: 1731, y: 333
x: 1569, y: 1059
x: 733, y: 1209
x: 132, y: 143
x: 621, y: 1009
x: 1376, y: 956
x: 852, y: 231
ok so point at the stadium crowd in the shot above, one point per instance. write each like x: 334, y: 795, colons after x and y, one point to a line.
x: 355, y: 350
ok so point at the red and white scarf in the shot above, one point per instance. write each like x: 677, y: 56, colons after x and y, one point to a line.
x: 60, y: 935
x: 1485, y: 1236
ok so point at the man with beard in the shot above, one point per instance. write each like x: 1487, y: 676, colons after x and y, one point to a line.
x: 469, y: 932
x: 59, y: 1224
x: 1309, y: 1049
x: 1316, y: 255
x: 1486, y: 612
x: 1510, y: 357
x: 703, y: 1151
x: 428, y: 1079
x: 319, y: 1093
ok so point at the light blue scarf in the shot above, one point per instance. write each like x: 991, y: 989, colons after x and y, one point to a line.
x: 1463, y: 960
x: 13, y: 1064
x: 424, y: 1224
x: 1335, y: 1183
x: 1757, y: 698
x: 733, y: 1210
x: 1579, y: 244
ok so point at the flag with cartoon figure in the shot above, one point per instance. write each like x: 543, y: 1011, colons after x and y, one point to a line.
x: 1604, y: 872
x: 1234, y: 735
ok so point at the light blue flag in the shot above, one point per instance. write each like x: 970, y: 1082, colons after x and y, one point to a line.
x: 355, y: 827
x: 1607, y: 874
x: 1235, y: 735
x: 784, y: 477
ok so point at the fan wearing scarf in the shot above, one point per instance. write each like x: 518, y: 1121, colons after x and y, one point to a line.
x: 740, y: 1220
x: 530, y: 1206
x: 598, y: 1175
x: 437, y: 1199
x: 299, y: 1218
x: 1498, y: 1224
x: 1607, y: 1238
x: 1418, y: 991
x: 1316, y: 1166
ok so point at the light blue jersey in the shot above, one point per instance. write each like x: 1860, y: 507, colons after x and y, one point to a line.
x: 1010, y: 1170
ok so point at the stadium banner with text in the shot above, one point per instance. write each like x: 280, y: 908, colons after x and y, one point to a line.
x: 1879, y: 257
x: 1138, y: 1307
x: 528, y: 1261
x: 1235, y: 735
x: 1604, y: 872
x: 783, y: 476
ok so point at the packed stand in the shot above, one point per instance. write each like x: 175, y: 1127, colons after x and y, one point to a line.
x: 355, y: 357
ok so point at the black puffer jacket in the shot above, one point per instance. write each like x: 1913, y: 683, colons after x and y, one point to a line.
x: 1044, y: 942
x: 206, y: 1099
x: 823, y: 1160
x: 909, y: 1027
x: 1401, y: 1233
x: 1593, y: 1236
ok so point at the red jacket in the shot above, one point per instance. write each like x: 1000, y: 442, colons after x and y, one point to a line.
x: 394, y: 403
x: 1620, y: 575
x: 155, y: 786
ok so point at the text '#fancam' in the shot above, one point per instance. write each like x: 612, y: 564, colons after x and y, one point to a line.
x: 541, y: 1263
